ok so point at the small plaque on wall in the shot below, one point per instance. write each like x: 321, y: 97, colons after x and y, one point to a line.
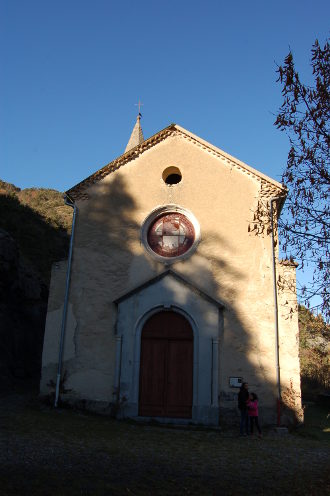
x: 235, y: 382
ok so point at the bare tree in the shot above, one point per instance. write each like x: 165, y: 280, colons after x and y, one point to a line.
x: 304, y: 116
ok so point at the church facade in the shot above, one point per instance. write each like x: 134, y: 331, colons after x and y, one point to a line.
x: 174, y: 299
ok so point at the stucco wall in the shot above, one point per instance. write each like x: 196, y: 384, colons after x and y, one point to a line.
x: 230, y: 264
x: 289, y: 339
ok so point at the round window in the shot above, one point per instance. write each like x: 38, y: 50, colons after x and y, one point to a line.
x: 170, y: 233
x: 172, y: 175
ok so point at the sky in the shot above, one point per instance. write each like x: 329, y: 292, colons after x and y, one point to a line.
x: 73, y: 70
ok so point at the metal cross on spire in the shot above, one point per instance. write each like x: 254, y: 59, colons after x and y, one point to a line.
x: 139, y: 105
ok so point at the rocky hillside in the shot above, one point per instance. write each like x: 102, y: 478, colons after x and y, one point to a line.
x: 34, y: 232
x: 39, y: 222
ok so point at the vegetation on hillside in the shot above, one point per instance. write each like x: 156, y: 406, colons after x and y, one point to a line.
x: 40, y: 223
x: 314, y: 334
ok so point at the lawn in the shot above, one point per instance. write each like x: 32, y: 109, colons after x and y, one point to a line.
x: 64, y: 452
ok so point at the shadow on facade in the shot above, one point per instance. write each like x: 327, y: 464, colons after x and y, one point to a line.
x: 110, y: 261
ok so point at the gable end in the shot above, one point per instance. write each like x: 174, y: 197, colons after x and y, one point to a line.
x: 269, y: 187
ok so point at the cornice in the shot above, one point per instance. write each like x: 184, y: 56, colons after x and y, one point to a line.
x: 78, y: 192
x: 268, y: 187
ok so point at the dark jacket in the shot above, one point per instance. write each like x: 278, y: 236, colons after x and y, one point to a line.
x: 243, y: 396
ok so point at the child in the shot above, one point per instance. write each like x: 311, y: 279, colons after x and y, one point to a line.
x: 252, y: 405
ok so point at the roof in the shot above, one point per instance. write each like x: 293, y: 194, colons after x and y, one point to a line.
x: 269, y: 187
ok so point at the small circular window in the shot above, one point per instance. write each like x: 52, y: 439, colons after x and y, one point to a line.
x: 170, y: 233
x: 172, y: 175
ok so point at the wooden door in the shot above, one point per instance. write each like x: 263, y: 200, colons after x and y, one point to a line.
x: 166, y: 367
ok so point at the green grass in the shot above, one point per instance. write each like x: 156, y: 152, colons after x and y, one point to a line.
x: 63, y: 452
x: 317, y: 422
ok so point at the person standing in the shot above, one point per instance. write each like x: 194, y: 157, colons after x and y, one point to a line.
x: 253, y: 412
x: 243, y: 397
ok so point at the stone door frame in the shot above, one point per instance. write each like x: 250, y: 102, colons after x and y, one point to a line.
x: 206, y: 319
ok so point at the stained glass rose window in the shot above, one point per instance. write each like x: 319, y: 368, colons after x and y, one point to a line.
x: 171, y: 234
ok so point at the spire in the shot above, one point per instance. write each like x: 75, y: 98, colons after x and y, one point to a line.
x: 136, y: 136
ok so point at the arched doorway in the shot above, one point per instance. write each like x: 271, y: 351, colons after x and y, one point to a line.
x: 166, y: 366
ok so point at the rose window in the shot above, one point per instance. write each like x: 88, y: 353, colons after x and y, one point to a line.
x: 171, y: 234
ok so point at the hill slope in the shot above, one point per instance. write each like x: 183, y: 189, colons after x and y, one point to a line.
x: 34, y: 233
x: 39, y: 222
x: 314, y: 337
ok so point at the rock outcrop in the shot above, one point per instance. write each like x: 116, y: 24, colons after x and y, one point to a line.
x: 23, y: 307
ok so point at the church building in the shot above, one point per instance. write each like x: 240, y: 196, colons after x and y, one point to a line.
x: 173, y: 294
